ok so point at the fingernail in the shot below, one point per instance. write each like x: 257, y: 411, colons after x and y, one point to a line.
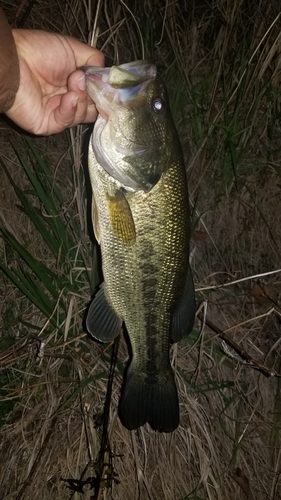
x: 75, y: 102
x: 81, y: 83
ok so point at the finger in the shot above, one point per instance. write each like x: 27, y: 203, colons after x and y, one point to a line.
x: 96, y: 59
x: 76, y: 83
x: 86, y: 111
x: 67, y: 114
x: 63, y: 115
x: 91, y: 114
x: 84, y: 54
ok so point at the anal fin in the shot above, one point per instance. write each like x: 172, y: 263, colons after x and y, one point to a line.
x: 102, y: 321
x: 184, y: 314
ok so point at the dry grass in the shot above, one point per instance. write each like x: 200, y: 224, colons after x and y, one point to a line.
x: 230, y: 412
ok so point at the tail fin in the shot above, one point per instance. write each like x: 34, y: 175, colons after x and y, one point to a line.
x: 144, y: 401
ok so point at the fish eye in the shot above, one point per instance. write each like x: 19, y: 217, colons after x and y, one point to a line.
x: 158, y: 105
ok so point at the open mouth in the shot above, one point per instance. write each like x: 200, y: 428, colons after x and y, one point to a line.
x: 118, y: 84
x: 113, y: 144
x: 124, y: 76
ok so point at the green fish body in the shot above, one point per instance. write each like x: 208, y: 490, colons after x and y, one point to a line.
x: 142, y: 222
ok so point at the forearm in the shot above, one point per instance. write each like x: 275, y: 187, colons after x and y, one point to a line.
x: 9, y: 65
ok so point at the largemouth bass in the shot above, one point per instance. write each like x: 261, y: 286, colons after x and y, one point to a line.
x: 141, y: 220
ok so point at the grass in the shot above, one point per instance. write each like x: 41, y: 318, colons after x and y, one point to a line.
x: 220, y: 63
x: 45, y: 288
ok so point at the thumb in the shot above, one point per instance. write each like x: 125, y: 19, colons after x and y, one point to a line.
x: 97, y: 59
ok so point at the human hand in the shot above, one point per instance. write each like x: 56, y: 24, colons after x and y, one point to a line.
x: 52, y: 94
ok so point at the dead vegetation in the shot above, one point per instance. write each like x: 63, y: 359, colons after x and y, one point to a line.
x: 221, y: 62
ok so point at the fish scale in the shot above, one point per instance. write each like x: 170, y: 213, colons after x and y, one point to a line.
x: 143, y: 228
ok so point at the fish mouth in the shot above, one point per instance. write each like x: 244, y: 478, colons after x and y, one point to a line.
x: 119, y: 84
x: 110, y: 88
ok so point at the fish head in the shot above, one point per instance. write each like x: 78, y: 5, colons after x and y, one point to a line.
x: 134, y: 135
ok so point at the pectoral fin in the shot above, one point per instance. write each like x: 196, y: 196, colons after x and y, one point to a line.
x: 121, y: 219
x: 102, y: 321
x: 184, y: 314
